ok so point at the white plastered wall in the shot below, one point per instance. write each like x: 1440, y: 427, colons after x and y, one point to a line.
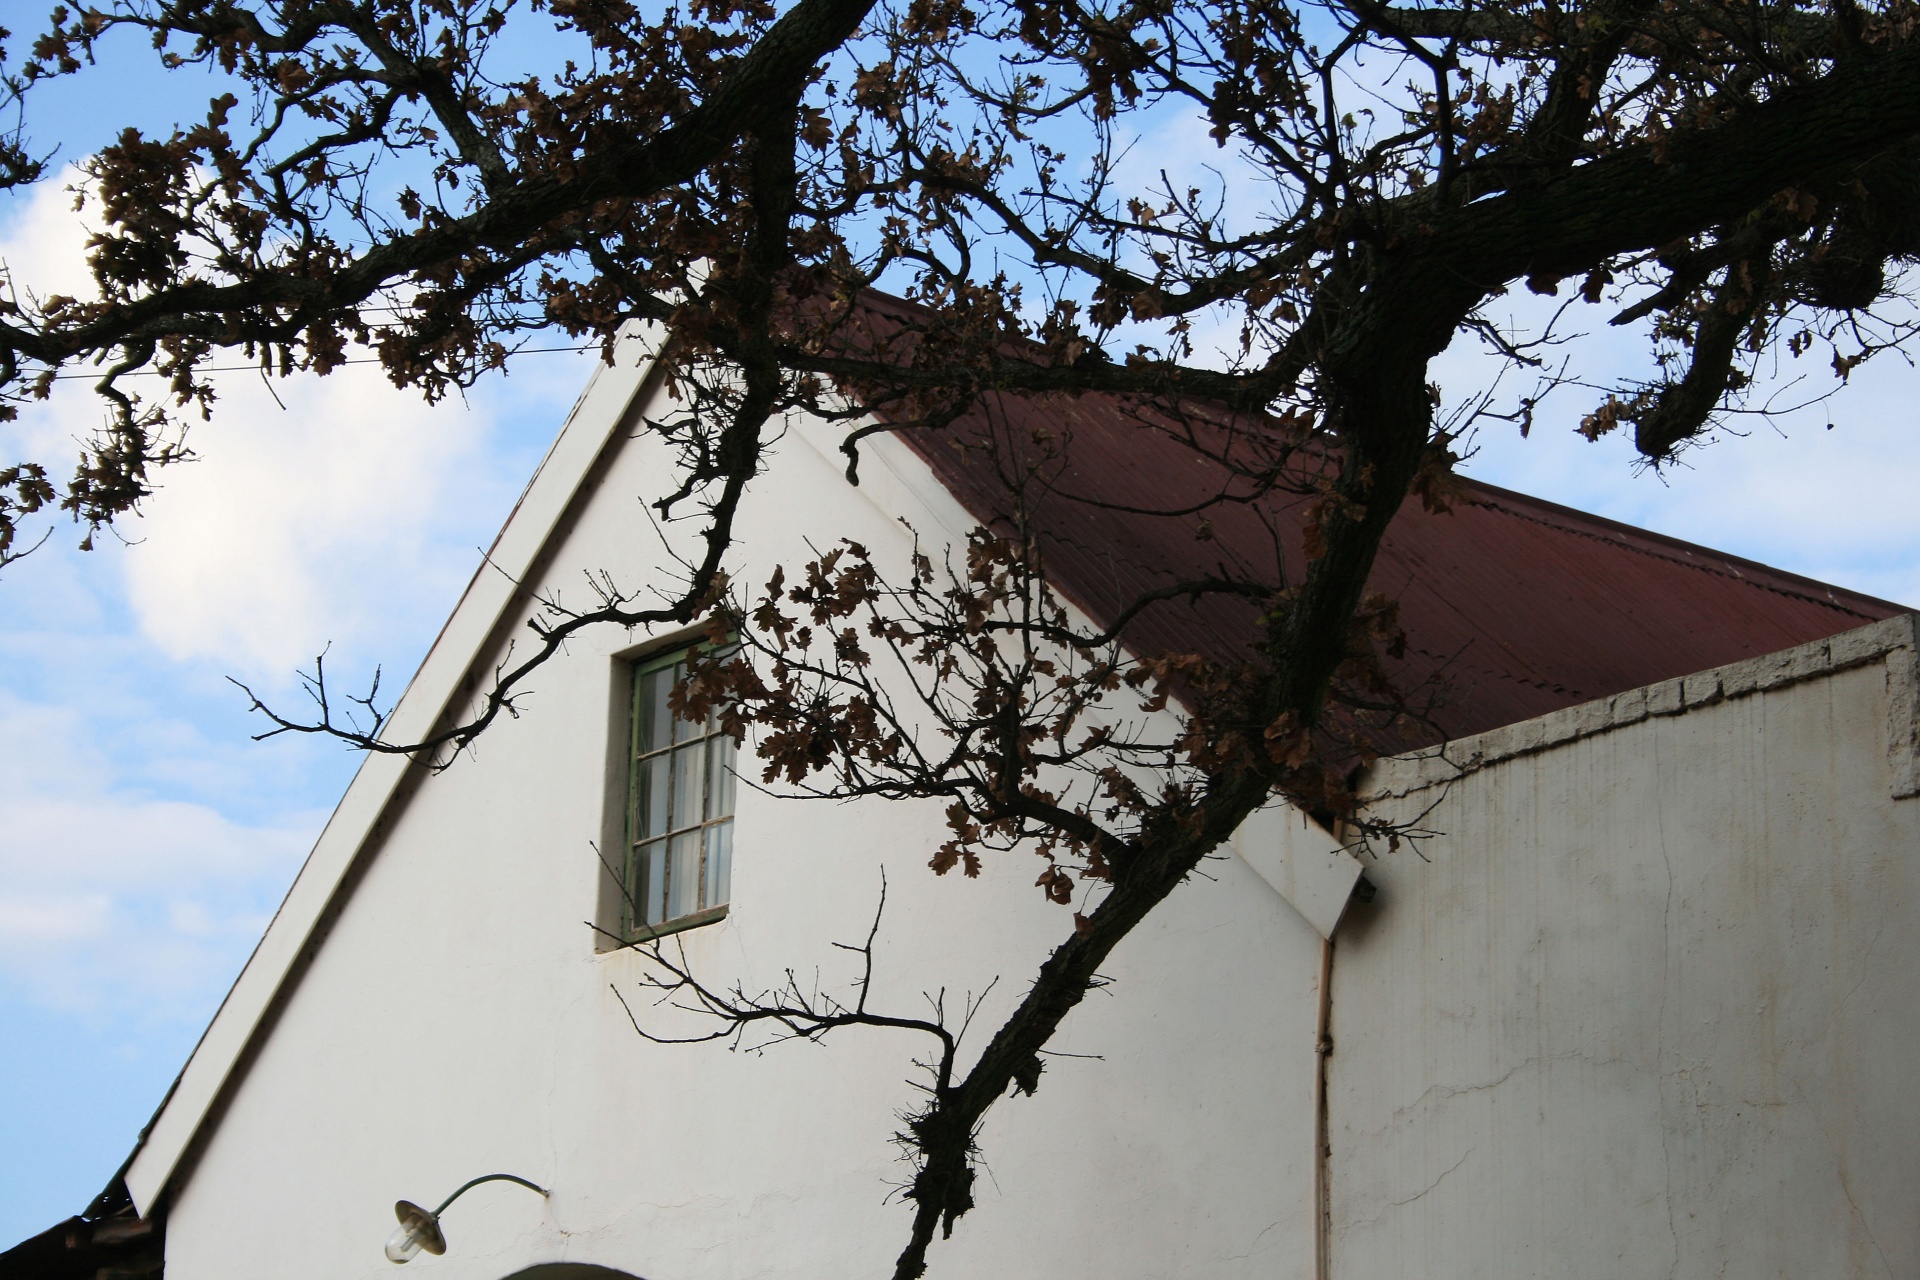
x: 1650, y: 1007
x: 1644, y: 1008
x: 457, y: 1018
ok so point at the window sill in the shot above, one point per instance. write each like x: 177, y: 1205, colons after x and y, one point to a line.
x: 652, y: 933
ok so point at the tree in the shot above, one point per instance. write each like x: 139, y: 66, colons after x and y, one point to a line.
x: 1733, y: 177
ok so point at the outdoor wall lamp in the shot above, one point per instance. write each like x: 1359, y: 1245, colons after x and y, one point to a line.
x: 419, y: 1229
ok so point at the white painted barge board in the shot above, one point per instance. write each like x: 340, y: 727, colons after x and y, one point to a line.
x: 492, y: 591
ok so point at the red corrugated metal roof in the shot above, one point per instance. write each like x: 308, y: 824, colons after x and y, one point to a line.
x: 1513, y: 607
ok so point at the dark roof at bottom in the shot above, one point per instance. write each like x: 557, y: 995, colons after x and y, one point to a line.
x: 1513, y: 607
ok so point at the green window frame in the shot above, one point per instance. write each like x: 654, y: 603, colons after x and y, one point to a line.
x: 680, y: 796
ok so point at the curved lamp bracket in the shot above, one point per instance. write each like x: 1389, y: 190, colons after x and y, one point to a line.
x: 420, y: 1230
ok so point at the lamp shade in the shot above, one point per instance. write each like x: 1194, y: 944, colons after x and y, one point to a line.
x: 418, y: 1230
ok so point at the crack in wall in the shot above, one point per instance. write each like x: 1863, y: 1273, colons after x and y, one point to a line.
x: 1446, y: 1092
x: 1391, y: 1205
x: 1840, y: 1176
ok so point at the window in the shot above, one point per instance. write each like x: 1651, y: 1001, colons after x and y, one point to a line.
x: 679, y: 809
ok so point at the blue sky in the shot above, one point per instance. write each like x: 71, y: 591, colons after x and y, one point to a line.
x: 146, y: 839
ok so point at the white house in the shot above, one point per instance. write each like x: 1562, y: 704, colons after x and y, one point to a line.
x: 1646, y: 1004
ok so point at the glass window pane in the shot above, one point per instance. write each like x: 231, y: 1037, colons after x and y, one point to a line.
x: 655, y: 718
x: 719, y: 863
x: 649, y: 893
x: 683, y: 875
x: 681, y: 804
x: 720, y: 777
x: 689, y: 785
x: 650, y: 793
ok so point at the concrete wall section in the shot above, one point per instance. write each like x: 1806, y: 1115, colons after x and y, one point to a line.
x: 1646, y: 1006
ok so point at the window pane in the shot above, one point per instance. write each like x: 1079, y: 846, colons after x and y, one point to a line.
x: 655, y: 719
x: 689, y: 790
x: 719, y: 863
x: 683, y: 876
x: 680, y: 805
x: 650, y: 788
x: 649, y: 893
x: 720, y: 777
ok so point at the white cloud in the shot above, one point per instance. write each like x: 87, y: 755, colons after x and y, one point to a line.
x: 337, y: 509
x: 113, y: 901
x: 45, y: 246
x: 306, y: 524
x: 36, y: 920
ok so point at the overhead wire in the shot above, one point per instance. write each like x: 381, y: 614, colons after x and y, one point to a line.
x: 253, y: 368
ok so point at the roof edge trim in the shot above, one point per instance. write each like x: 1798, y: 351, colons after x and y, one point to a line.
x: 489, y: 594
x: 1694, y: 555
